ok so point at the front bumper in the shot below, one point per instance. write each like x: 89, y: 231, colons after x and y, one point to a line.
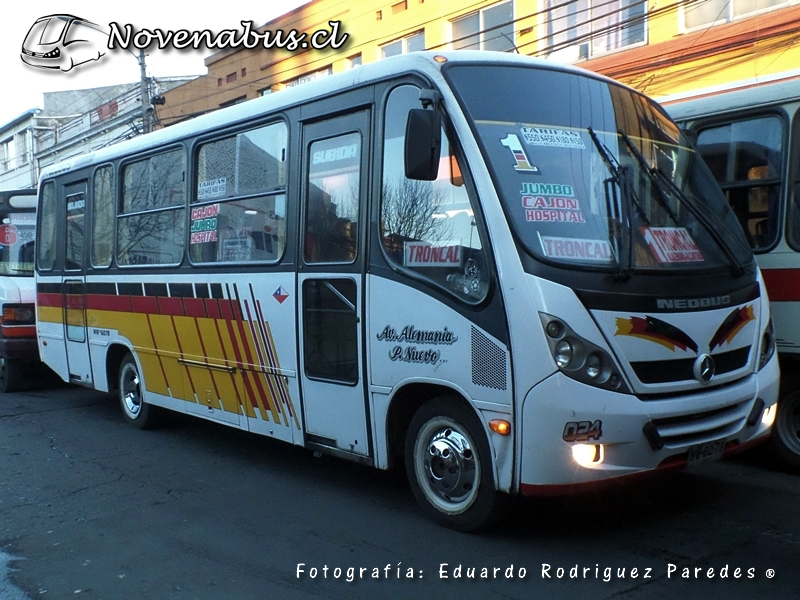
x: 560, y: 412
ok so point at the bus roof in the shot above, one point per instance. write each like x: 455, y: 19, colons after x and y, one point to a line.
x: 756, y: 96
x: 419, y: 62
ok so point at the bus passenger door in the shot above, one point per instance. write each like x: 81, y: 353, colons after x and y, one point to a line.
x: 74, y: 281
x: 331, y: 283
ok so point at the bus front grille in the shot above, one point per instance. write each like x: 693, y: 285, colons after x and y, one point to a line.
x: 671, y: 371
x: 678, y: 431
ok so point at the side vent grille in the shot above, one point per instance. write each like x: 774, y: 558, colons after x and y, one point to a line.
x: 488, y: 362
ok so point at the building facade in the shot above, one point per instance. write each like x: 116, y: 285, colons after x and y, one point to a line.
x: 72, y: 123
x: 662, y: 47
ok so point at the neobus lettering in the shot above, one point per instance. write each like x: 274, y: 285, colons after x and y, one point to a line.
x: 693, y: 302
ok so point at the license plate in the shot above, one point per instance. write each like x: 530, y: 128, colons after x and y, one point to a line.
x: 705, y: 452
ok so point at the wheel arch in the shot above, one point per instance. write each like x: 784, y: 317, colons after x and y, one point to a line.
x: 114, y: 357
x: 404, y: 404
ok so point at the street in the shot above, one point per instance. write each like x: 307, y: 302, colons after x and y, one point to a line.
x: 92, y: 508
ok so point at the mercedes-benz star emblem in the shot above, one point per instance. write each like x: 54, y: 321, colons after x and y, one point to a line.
x: 704, y: 368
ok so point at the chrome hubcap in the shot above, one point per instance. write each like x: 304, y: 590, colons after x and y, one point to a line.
x: 131, y: 397
x: 450, y: 467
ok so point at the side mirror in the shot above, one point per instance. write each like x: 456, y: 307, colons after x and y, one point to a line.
x: 423, y: 143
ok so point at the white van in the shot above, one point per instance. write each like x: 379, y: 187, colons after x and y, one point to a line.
x: 17, y: 288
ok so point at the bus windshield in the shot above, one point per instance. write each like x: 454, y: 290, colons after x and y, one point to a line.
x: 592, y: 174
x: 17, y: 232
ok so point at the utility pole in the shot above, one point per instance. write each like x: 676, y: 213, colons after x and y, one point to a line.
x: 147, y: 125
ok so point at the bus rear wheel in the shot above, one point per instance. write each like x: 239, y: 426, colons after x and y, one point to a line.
x: 11, y: 374
x: 136, y: 411
x: 449, y: 467
x: 784, y: 442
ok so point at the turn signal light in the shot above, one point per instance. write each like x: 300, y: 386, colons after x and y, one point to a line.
x: 500, y: 426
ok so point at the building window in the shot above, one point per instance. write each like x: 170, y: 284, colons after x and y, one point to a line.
x: 8, y: 154
x: 587, y: 27
x: 707, y: 12
x: 237, y: 100
x: 309, y: 77
x: 21, y: 149
x: 354, y: 61
x: 488, y: 29
x: 412, y: 43
x: 231, y: 77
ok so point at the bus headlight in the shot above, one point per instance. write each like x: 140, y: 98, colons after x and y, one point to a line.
x: 767, y: 348
x: 564, y: 353
x: 579, y: 358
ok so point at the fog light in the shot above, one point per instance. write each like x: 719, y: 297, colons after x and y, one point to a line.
x: 587, y: 454
x: 768, y: 418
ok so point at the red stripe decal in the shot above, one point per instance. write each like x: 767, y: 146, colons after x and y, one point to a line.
x: 144, y: 304
x: 194, y: 307
x: 212, y: 308
x: 783, y: 285
x: 51, y: 300
x: 225, y: 310
x: 107, y: 302
x: 170, y: 306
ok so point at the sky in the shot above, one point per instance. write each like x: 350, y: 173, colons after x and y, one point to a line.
x: 24, y: 85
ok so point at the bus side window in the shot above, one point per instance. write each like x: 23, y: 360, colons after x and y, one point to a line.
x: 428, y: 227
x: 238, y: 207
x: 745, y: 158
x: 46, y: 244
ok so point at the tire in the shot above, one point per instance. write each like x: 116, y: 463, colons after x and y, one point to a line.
x: 11, y: 374
x: 449, y: 465
x: 136, y: 411
x: 784, y: 443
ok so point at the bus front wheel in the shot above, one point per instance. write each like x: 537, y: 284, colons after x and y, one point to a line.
x: 449, y: 467
x: 785, y: 439
x: 137, y: 412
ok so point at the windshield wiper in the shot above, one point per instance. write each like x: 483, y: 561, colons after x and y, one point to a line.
x: 657, y: 175
x: 620, y: 209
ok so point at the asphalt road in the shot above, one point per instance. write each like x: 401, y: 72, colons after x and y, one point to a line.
x: 92, y: 508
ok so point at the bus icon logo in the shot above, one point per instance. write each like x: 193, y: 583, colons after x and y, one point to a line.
x: 63, y: 42
x: 280, y: 295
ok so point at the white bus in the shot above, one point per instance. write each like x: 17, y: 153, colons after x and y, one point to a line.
x: 750, y: 138
x: 18, y: 346
x: 514, y: 277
